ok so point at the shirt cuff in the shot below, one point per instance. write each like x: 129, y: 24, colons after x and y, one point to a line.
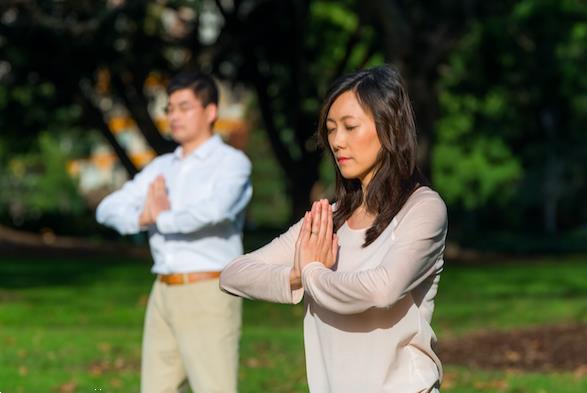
x: 295, y: 295
x: 165, y: 222
x: 308, y: 270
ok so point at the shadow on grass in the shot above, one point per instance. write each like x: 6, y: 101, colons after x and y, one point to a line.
x: 42, y: 272
x: 38, y: 267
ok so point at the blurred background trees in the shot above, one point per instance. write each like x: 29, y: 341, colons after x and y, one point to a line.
x: 511, y: 141
x: 497, y: 88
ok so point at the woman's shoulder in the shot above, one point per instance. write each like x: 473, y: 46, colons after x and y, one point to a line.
x: 425, y: 201
x: 425, y: 194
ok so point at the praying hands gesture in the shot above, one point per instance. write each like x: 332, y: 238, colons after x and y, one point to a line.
x: 316, y: 241
x: 157, y: 202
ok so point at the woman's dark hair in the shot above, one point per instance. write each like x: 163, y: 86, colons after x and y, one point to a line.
x: 381, y: 93
x: 203, y: 86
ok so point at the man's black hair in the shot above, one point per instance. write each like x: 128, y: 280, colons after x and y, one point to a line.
x: 203, y: 86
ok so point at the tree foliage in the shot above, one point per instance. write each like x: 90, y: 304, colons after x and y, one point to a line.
x: 287, y: 52
x: 512, y: 136
x: 497, y: 87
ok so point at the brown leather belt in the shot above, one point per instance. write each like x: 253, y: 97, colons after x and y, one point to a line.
x: 187, y: 278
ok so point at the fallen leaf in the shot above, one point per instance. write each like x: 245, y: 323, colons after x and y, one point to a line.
x: 68, y: 387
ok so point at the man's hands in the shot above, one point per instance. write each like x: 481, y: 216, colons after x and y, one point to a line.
x: 157, y: 202
x: 316, y: 241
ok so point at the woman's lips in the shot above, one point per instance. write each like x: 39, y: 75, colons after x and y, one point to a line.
x: 342, y: 160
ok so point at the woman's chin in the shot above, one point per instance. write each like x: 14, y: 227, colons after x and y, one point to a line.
x: 348, y: 175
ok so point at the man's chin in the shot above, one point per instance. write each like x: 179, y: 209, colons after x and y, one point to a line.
x: 177, y: 137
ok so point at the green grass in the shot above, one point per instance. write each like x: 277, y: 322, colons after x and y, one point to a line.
x: 549, y: 291
x: 462, y: 380
x: 75, y: 325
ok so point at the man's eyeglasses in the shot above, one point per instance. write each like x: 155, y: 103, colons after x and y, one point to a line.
x: 182, y: 108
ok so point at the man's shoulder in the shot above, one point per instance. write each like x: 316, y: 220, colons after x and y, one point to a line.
x: 160, y: 160
x: 155, y: 166
x: 228, y: 152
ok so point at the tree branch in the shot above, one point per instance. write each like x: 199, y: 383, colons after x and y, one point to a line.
x: 350, y: 45
x: 300, y: 13
x: 393, y: 25
x: 281, y: 153
x: 96, y: 117
x: 71, y: 26
x: 221, y: 9
x: 137, y: 105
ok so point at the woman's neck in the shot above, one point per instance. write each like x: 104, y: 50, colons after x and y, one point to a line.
x: 361, y: 218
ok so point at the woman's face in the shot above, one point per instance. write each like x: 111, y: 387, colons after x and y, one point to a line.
x: 352, y: 137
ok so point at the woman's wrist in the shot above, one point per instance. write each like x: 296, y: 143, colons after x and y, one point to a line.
x: 295, y: 279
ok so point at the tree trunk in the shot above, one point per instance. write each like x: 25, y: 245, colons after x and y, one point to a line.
x: 301, y: 184
x: 137, y: 105
x: 552, y: 172
x: 97, y: 119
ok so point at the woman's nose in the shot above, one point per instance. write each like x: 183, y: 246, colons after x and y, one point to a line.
x: 336, y: 140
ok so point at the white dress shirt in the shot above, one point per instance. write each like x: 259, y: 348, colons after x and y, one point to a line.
x: 208, y: 193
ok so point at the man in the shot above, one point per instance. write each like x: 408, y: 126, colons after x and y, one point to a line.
x: 192, y: 203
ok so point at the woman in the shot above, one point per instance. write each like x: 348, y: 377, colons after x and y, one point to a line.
x: 369, y: 270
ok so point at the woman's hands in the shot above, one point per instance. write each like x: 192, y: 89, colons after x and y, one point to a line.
x: 316, y: 241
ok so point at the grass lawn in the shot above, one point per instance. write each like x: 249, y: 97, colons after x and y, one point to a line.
x: 75, y: 325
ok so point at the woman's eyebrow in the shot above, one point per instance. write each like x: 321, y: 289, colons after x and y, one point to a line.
x: 345, y: 117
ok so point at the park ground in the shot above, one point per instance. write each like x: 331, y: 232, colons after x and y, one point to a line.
x: 73, y: 324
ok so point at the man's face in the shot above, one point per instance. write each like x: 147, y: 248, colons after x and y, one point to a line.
x: 189, y: 121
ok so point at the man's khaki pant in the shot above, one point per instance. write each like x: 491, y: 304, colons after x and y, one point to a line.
x: 191, y: 334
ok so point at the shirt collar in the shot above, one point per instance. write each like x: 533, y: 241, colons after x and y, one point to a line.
x: 202, y: 151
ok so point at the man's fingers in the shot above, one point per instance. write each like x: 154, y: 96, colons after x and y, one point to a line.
x: 154, y: 189
x: 158, y: 186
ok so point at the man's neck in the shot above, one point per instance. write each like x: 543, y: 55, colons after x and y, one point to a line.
x: 188, y: 148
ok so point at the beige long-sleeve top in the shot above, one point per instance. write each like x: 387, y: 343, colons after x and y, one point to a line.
x: 367, y: 321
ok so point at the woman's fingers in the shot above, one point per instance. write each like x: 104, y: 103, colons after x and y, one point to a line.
x: 317, y: 241
x: 303, y: 230
x: 306, y: 230
x: 323, y: 239
x: 315, y: 220
x: 329, y: 223
x: 302, y: 227
x: 334, y: 249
